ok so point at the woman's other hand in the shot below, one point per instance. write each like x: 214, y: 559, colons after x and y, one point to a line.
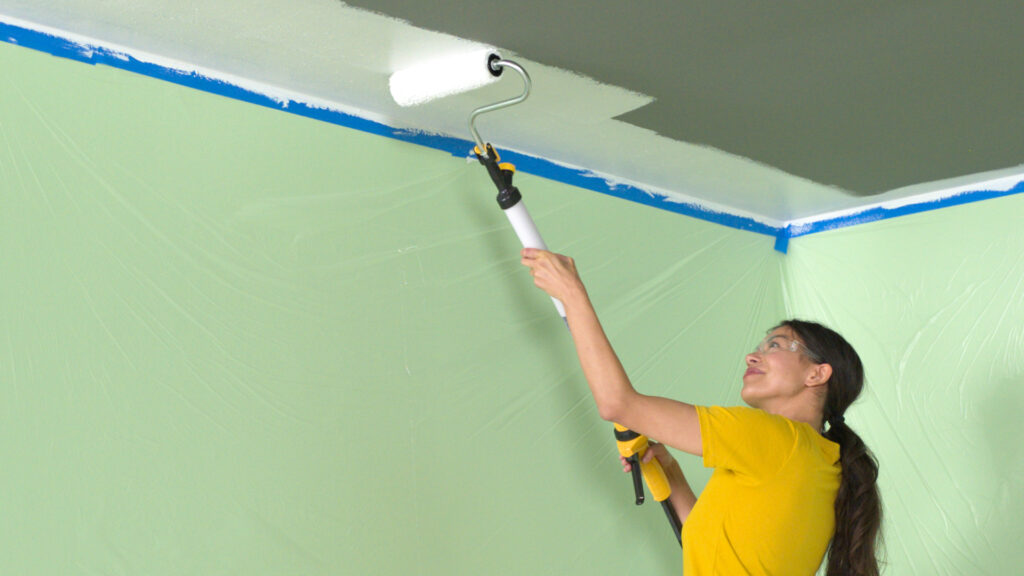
x: 654, y: 450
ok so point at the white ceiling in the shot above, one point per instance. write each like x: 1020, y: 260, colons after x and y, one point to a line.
x: 785, y: 114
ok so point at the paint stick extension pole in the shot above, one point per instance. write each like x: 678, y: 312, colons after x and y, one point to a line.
x: 511, y: 203
x: 632, y: 445
x: 415, y: 86
x: 444, y: 77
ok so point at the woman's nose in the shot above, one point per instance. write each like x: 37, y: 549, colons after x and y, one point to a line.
x: 753, y: 358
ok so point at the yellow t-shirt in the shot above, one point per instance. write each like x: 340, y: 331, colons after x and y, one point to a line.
x: 768, y: 507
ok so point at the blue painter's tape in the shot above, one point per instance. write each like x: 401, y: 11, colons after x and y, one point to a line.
x: 65, y: 48
x: 882, y: 213
x: 457, y: 147
x: 782, y: 239
x: 587, y: 180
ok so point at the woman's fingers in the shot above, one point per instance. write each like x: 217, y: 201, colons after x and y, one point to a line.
x: 626, y: 466
x: 654, y: 450
x: 554, y: 273
x: 661, y: 453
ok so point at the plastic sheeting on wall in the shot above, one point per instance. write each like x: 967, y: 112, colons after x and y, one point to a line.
x: 238, y: 341
x: 935, y: 304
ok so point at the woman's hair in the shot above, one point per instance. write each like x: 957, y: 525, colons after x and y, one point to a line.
x: 858, y: 507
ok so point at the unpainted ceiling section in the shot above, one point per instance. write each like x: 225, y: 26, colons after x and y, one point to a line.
x: 778, y: 112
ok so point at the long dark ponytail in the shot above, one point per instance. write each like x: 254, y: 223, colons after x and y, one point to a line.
x: 858, y: 508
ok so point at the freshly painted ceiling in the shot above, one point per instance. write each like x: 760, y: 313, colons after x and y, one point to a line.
x: 779, y: 112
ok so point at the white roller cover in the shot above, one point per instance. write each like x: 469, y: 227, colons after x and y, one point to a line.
x: 442, y: 77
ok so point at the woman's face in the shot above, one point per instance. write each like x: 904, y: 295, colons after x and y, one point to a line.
x: 777, y: 370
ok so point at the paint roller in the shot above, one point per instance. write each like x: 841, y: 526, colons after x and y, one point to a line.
x: 469, y: 71
x: 462, y: 73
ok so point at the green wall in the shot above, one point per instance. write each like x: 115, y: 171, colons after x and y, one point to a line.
x: 237, y: 341
x: 934, y: 303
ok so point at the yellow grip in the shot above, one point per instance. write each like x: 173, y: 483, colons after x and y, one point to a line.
x: 654, y: 474
x: 656, y: 480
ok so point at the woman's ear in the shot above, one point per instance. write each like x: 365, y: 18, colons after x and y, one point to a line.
x: 819, y: 375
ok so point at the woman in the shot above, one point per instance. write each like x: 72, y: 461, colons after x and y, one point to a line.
x: 791, y: 479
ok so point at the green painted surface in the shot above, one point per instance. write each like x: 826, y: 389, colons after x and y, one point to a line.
x: 935, y: 305
x: 236, y: 341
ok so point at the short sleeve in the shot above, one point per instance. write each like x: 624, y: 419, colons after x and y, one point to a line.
x: 746, y: 440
